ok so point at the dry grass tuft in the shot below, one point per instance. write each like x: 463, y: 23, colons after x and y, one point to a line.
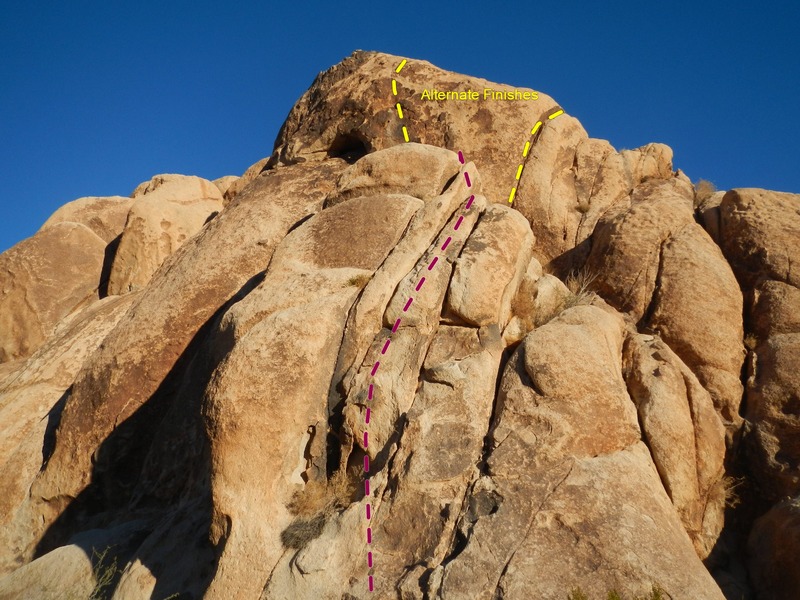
x: 730, y: 487
x: 656, y: 593
x: 703, y: 190
x: 314, y: 505
x: 579, y: 284
x: 359, y: 281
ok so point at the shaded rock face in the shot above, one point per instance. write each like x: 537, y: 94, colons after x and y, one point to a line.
x: 357, y: 300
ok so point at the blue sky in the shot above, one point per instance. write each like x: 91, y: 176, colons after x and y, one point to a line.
x: 96, y: 97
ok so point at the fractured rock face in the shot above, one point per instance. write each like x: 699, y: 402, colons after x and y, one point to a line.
x: 653, y: 261
x: 362, y: 308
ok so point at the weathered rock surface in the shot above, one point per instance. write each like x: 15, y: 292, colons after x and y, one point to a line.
x: 42, y: 280
x: 167, y: 210
x: 565, y: 430
x: 684, y: 434
x: 759, y: 233
x: 359, y: 307
x: 773, y: 548
x: 651, y: 260
x: 31, y: 402
x: 105, y: 216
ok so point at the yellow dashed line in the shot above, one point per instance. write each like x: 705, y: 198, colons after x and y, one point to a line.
x: 526, y: 151
x: 397, y: 105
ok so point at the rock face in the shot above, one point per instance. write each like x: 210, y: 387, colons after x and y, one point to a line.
x: 42, y: 280
x: 357, y: 365
x: 166, y: 211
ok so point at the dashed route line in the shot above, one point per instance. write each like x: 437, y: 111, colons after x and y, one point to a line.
x: 535, y: 132
x: 397, y: 105
x: 534, y: 136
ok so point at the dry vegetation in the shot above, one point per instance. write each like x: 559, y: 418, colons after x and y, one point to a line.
x: 314, y: 505
x: 655, y: 594
x: 703, y: 190
x: 579, y: 283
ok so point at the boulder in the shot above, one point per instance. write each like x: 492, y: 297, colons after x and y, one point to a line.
x: 167, y: 210
x: 570, y: 493
x: 105, y: 216
x: 685, y: 435
x: 654, y: 262
x: 759, y: 230
x: 42, y: 280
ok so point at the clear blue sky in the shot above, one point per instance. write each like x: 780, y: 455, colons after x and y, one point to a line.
x: 96, y: 97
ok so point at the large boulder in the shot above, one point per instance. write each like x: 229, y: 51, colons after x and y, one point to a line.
x: 759, y: 232
x: 167, y: 211
x: 105, y: 216
x: 651, y: 260
x: 350, y: 111
x: 570, y: 497
x: 42, y: 280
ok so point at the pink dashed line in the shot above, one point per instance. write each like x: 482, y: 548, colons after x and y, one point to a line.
x: 386, y: 344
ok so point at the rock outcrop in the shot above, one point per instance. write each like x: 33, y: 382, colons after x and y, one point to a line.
x: 357, y: 365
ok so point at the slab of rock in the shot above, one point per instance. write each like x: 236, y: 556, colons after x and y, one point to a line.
x: 773, y: 409
x: 42, y: 280
x: 105, y: 216
x: 282, y: 364
x: 490, y: 268
x: 565, y: 432
x: 168, y: 210
x: 30, y: 408
x: 759, y: 233
x: 654, y: 262
x: 413, y: 169
x: 685, y: 435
